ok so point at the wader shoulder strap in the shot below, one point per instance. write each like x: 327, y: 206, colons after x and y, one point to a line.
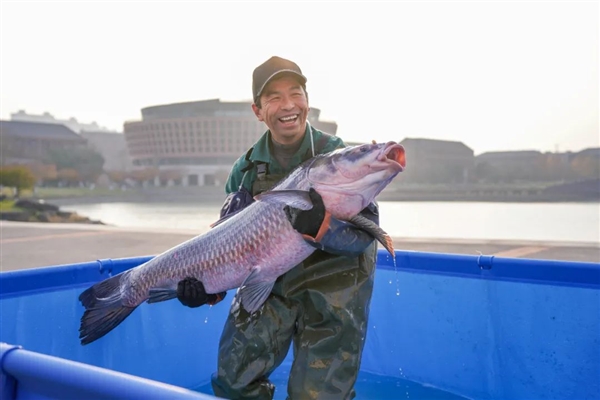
x: 250, y: 164
x: 247, y: 168
x: 262, y: 168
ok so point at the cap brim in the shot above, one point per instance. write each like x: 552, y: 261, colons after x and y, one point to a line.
x: 282, y: 71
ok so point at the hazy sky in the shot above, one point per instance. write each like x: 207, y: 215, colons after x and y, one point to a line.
x: 494, y: 75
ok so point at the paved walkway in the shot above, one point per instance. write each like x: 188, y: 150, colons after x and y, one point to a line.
x: 30, y: 245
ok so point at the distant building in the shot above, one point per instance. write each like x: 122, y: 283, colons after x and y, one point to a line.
x: 196, y: 143
x: 110, y: 144
x: 557, y: 167
x: 29, y: 142
x: 592, y: 152
x: 112, y: 147
x: 437, y: 161
x: 586, y: 163
x: 511, y: 166
x: 46, y: 117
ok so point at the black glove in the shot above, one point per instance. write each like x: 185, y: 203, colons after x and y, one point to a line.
x: 191, y: 293
x: 309, y: 222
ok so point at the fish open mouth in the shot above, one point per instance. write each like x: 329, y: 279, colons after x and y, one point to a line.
x: 394, y: 152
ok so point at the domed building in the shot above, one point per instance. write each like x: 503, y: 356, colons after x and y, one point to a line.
x: 196, y: 143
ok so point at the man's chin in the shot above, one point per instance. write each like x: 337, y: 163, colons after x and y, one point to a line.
x: 288, y: 133
x: 286, y: 137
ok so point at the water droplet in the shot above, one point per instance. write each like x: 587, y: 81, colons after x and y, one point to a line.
x: 206, y: 320
x: 396, y: 274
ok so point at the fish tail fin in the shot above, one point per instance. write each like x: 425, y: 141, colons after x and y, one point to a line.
x: 159, y: 294
x: 378, y: 233
x: 104, y: 309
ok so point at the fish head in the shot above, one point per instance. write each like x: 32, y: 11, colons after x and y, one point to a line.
x: 350, y: 178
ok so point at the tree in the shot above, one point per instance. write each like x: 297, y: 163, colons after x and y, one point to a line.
x: 87, y: 162
x: 69, y: 175
x: 146, y: 174
x: 19, y: 177
x: 117, y: 176
x: 43, y: 172
x: 170, y: 175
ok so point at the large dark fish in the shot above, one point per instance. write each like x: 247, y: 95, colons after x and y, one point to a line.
x: 251, y: 249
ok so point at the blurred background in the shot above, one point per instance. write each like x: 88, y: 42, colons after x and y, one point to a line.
x: 131, y: 114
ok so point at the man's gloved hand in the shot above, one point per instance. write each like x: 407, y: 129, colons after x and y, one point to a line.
x: 325, y: 232
x: 313, y: 223
x: 191, y: 293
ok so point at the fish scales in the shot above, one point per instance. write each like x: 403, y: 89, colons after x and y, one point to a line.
x: 221, y: 266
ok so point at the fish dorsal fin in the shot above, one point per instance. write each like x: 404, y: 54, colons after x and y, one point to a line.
x: 290, y: 197
x: 371, y: 227
x: 253, y: 292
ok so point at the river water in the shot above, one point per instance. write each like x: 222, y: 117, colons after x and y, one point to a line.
x: 568, y: 222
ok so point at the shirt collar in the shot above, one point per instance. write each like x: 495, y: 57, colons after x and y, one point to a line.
x: 261, y: 150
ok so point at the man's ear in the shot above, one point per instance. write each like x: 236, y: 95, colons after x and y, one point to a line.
x: 257, y: 112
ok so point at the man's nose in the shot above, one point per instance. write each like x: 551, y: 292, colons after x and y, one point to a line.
x: 287, y: 103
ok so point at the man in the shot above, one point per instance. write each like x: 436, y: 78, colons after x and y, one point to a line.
x: 322, y: 305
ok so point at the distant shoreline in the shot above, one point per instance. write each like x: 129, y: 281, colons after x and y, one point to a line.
x: 218, y: 196
x: 575, y: 192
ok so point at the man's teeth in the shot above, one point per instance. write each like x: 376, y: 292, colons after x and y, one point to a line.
x: 290, y: 118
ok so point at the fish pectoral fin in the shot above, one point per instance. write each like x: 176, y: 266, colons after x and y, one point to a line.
x: 371, y: 227
x: 253, y: 296
x: 254, y: 292
x: 293, y: 198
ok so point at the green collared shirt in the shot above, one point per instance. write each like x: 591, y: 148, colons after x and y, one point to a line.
x: 262, y: 153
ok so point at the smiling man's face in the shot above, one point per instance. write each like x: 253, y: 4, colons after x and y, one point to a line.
x: 283, y: 108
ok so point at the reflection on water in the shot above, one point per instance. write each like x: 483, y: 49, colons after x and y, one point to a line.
x: 577, y: 222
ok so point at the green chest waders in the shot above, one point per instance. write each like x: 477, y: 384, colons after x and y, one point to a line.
x: 322, y: 305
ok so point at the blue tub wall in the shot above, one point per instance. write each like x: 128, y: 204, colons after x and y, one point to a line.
x: 157, y: 342
x: 483, y: 328
x: 486, y: 339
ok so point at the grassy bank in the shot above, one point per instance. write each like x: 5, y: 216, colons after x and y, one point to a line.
x: 8, y: 206
x: 9, y: 212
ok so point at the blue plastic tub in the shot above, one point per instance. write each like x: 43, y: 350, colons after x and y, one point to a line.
x: 441, y: 326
